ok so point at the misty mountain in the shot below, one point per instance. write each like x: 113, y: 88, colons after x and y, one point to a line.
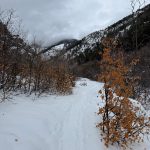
x: 124, y: 30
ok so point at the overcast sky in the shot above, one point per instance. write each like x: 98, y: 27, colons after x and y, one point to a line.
x: 51, y: 20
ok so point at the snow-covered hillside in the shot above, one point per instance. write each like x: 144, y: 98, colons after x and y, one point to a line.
x: 54, y: 122
x: 72, y: 49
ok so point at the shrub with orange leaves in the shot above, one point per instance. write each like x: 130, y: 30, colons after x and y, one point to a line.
x: 122, y: 122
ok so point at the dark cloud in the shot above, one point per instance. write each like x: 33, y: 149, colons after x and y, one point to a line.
x: 51, y: 20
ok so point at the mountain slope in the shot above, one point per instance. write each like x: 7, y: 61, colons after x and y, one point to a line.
x: 124, y: 30
x: 133, y: 34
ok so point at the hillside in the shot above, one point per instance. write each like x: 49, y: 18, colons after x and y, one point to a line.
x: 124, y: 30
x: 83, y: 54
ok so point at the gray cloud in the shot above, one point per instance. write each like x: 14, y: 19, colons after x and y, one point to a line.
x: 51, y: 20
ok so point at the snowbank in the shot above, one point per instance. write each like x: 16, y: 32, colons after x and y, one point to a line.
x: 54, y: 122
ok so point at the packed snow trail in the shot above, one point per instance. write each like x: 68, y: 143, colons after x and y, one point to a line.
x: 54, y: 122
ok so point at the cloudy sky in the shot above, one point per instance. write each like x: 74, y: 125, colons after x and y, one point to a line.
x: 51, y: 20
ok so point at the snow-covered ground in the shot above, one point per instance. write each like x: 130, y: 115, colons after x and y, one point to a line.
x: 54, y: 122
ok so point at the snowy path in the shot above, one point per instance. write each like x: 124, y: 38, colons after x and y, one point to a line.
x: 53, y: 122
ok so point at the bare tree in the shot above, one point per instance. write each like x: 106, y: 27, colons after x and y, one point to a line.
x: 136, y: 4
